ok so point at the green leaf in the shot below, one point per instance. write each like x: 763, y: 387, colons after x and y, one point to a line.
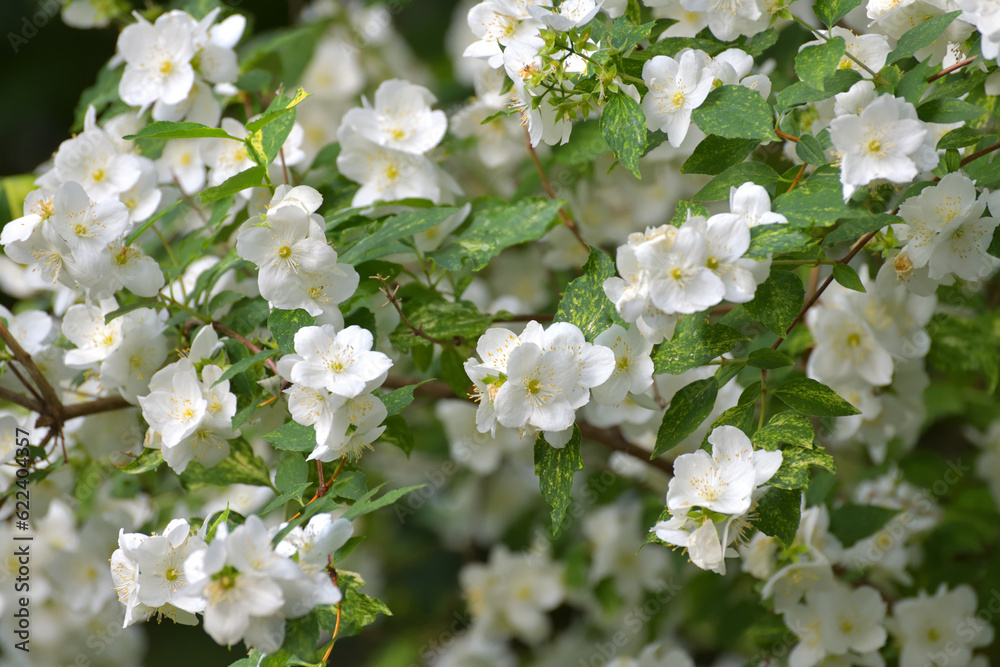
x: 948, y: 110
x: 785, y: 428
x: 399, y: 433
x: 165, y: 129
x: 495, y: 226
x: 953, y: 350
x: 245, y: 316
x: 847, y: 277
x: 777, y: 514
x: 735, y: 112
x: 920, y: 36
x: 623, y: 125
x: 284, y: 324
x: 366, y: 506
x: 584, y: 302
x: 816, y: 201
x: 292, y: 471
x: 293, y: 437
x: 101, y: 94
x: 852, y: 229
x: 397, y: 399
x: 777, y: 301
x: 130, y: 239
x: 740, y: 415
x: 814, y: 63
x: 695, y: 342
x: 446, y: 320
x: 795, y: 464
x: 250, y: 178
x: 294, y: 492
x: 810, y: 150
x: 124, y: 310
x: 767, y: 358
x: 850, y: 523
x: 686, y: 209
x: 961, y: 137
x: 245, y: 364
x: 831, y: 11
x: 914, y: 83
x: 774, y: 239
x: 383, y: 241
x: 761, y: 42
x: 625, y: 34
x: 554, y: 469
x: 802, y: 93
x: 240, y: 467
x: 357, y: 610
x: 689, y: 407
x: 714, y: 154
x: 735, y: 176
x: 812, y: 398
x: 149, y: 459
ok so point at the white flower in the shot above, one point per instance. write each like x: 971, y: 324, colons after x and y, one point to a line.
x: 321, y: 537
x: 176, y: 406
x: 948, y: 204
x: 157, y: 60
x: 716, y: 482
x: 633, y: 371
x: 401, y: 118
x: 385, y: 174
x: 499, y: 23
x: 872, y: 50
x: 727, y: 19
x: 681, y: 280
x: 846, y: 349
x: 880, y: 142
x: 676, y: 88
x: 537, y: 388
x: 943, y: 628
x: 340, y: 362
x: 753, y: 205
x: 511, y: 594
x: 727, y: 238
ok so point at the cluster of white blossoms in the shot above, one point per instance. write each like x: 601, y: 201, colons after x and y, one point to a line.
x: 243, y: 586
x: 173, y: 64
x: 885, y: 140
x: 333, y: 374
x: 671, y: 271
x: 537, y: 380
x: 713, y: 490
x: 677, y: 86
x: 509, y: 596
x: 384, y: 146
x: 297, y: 267
x: 945, y: 236
x: 75, y: 227
x: 190, y: 408
x: 869, y: 347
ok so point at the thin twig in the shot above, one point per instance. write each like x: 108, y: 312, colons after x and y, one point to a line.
x: 795, y: 181
x: 49, y: 395
x: 786, y: 137
x: 568, y: 221
x: 948, y: 70
x: 390, y: 295
x: 226, y: 331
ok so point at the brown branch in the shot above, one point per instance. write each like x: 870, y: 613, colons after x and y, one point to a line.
x: 390, y: 295
x: 95, y: 406
x: 568, y: 221
x: 948, y: 70
x: 49, y: 395
x: 20, y: 399
x: 978, y: 154
x: 613, y: 440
